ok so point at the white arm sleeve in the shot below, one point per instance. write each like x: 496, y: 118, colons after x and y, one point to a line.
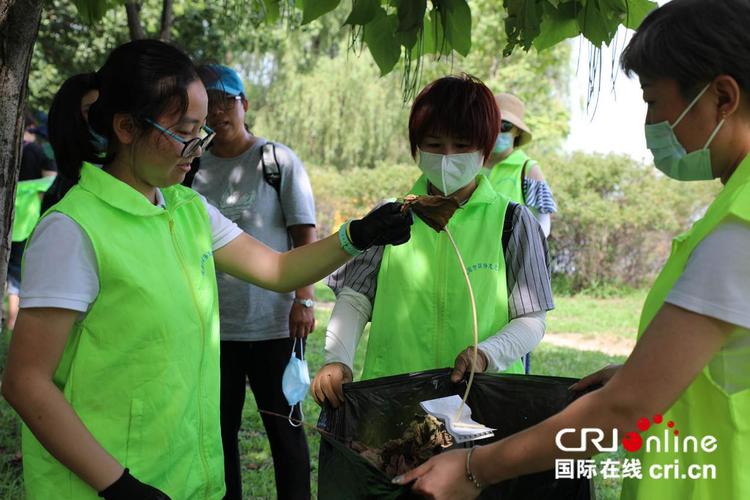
x: 544, y: 220
x: 514, y: 340
x: 348, y: 319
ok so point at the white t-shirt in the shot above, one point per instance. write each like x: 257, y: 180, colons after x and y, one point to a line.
x: 60, y: 267
x: 716, y: 283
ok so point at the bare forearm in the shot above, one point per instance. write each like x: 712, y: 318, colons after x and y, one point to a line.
x: 303, y: 235
x: 250, y: 260
x: 535, y: 449
x: 55, y: 424
x: 308, y: 264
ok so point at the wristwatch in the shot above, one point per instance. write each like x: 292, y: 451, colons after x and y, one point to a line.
x: 305, y: 302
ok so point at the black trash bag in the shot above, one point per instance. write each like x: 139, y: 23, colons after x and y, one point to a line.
x: 376, y: 411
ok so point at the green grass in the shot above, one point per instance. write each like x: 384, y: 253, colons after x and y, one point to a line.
x: 590, y: 315
x: 11, y: 484
x: 573, y: 315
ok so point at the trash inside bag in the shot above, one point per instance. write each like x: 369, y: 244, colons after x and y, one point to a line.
x: 381, y: 428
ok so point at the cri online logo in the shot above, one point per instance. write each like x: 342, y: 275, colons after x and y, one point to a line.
x: 633, y: 441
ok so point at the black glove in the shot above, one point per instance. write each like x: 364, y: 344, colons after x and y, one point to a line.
x: 129, y: 488
x: 385, y: 225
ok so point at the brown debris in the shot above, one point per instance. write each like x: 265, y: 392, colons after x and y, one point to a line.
x: 435, y: 211
x: 424, y: 437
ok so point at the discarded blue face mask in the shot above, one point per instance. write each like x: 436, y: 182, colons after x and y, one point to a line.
x: 296, y: 381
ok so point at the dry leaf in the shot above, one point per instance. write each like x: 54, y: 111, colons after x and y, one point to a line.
x: 435, y: 211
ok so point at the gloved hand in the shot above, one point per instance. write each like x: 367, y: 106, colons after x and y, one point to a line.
x: 128, y: 487
x: 385, y: 225
x: 328, y: 382
x: 463, y: 363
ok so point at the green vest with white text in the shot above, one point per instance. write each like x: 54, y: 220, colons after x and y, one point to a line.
x: 28, y: 206
x: 704, y: 408
x: 141, y: 368
x: 506, y: 176
x: 421, y: 317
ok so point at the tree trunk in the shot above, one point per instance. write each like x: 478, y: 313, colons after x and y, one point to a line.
x: 133, y: 9
x: 166, y: 21
x: 19, y: 24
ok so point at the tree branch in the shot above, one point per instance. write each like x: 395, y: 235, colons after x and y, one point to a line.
x: 166, y: 21
x: 133, y: 8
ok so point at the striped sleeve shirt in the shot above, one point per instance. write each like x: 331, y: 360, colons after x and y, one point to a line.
x: 526, y: 266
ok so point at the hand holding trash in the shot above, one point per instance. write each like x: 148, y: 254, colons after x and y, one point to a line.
x: 442, y: 477
x: 598, y: 378
x: 328, y: 382
x: 463, y: 363
x: 386, y: 225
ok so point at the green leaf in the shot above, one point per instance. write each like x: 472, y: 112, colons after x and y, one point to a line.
x: 613, y: 5
x: 313, y: 9
x: 434, y: 35
x: 407, y: 38
x: 637, y: 10
x: 363, y: 11
x: 456, y: 16
x: 557, y: 25
x: 411, y: 14
x: 271, y: 10
x: 594, y: 25
x: 91, y: 11
x: 380, y: 37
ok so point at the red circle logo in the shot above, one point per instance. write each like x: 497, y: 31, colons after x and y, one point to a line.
x: 632, y: 441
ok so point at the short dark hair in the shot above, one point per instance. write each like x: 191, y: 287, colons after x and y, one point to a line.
x: 692, y: 42
x: 460, y: 106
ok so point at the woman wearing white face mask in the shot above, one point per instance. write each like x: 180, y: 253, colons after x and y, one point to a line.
x: 511, y: 171
x: 681, y: 402
x: 417, y: 299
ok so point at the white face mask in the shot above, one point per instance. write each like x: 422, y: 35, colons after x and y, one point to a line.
x: 449, y: 173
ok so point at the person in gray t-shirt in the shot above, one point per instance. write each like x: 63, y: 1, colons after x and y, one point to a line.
x: 258, y: 326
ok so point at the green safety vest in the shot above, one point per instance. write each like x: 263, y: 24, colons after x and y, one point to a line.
x: 141, y: 369
x: 28, y: 206
x: 421, y: 317
x: 506, y: 177
x: 704, y: 408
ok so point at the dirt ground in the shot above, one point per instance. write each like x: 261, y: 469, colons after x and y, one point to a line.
x: 612, y: 345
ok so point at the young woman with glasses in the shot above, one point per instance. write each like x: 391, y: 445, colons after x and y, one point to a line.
x: 114, y: 362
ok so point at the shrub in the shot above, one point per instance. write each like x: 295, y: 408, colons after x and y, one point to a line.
x: 340, y: 195
x: 616, y: 218
x: 613, y: 230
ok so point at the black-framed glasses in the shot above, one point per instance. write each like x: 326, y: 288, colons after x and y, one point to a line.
x: 190, y: 146
x: 221, y: 100
x: 506, y: 126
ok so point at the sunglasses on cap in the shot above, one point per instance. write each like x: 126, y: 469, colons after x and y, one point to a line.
x: 506, y: 126
x: 189, y: 146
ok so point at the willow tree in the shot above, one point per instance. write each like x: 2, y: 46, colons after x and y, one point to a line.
x: 391, y: 30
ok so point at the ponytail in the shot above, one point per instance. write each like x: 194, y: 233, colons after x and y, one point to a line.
x: 68, y: 129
